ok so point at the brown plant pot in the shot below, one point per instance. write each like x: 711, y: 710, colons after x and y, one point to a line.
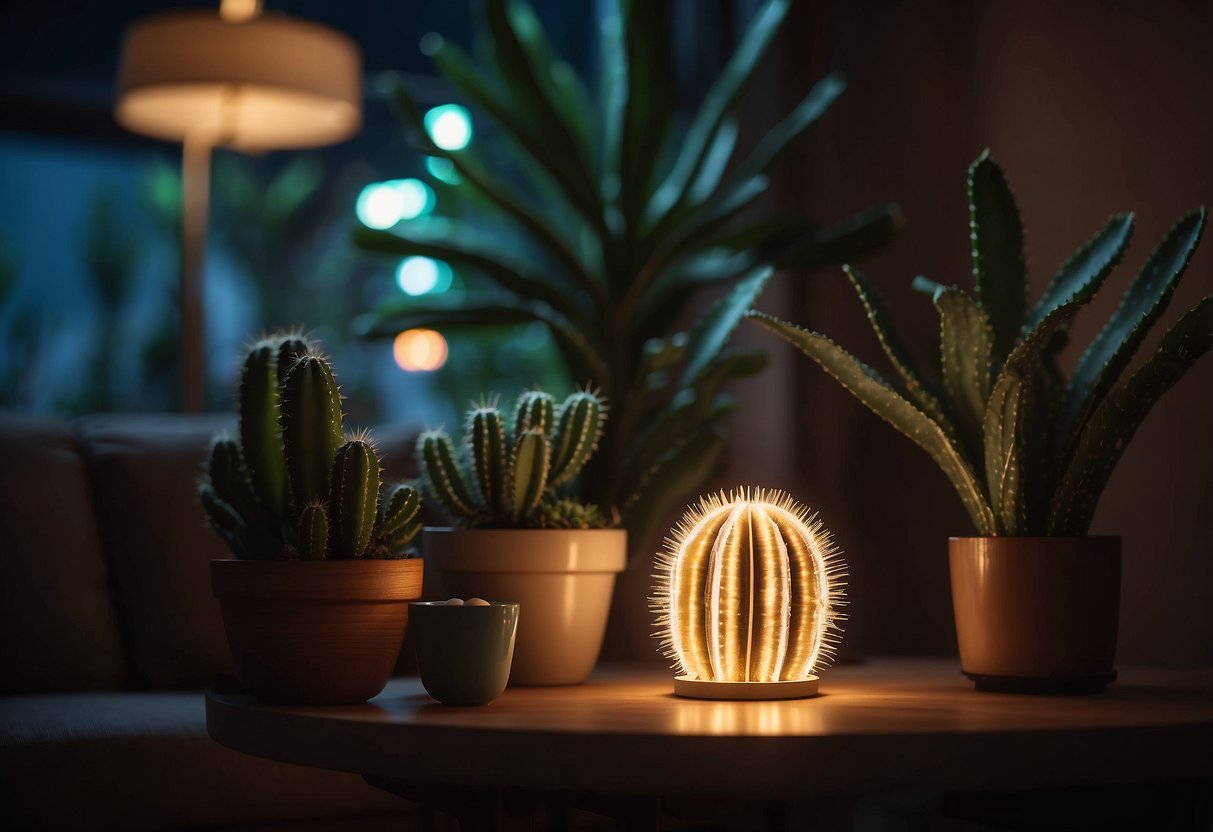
x: 562, y: 580
x: 1036, y: 614
x: 315, y: 632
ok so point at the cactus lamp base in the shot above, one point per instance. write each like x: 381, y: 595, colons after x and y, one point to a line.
x: 703, y: 689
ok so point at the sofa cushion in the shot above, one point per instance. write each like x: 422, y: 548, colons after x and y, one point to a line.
x: 144, y: 471
x: 143, y: 760
x: 57, y: 624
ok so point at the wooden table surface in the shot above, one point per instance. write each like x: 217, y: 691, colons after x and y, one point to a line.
x: 881, y: 725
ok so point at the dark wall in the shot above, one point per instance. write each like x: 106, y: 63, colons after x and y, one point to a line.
x: 1092, y: 108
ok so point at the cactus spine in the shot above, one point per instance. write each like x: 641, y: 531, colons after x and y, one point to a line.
x: 293, y: 487
x: 516, y: 472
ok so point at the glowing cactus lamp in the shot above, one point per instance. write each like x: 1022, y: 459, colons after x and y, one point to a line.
x: 746, y: 597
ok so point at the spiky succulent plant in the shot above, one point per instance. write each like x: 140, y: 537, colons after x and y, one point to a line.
x: 1028, y: 452
x: 600, y: 217
x: 293, y: 486
x: 509, y: 476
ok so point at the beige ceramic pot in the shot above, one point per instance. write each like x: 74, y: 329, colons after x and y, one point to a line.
x: 562, y: 580
x: 1036, y: 614
x: 315, y: 632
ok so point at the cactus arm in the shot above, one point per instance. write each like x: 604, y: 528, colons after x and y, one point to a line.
x: 1088, y: 266
x: 999, y: 263
x: 313, y: 532
x: 399, y: 518
x: 226, y: 523
x: 920, y: 391
x: 528, y: 473
x: 966, y: 350
x: 260, y: 435
x: 535, y: 410
x: 1116, y: 419
x: 1106, y: 358
x: 353, y: 498
x: 229, y: 477
x: 289, y: 349
x: 486, y: 445
x: 866, y: 385
x: 578, y: 428
x: 311, y: 427
x: 442, y: 476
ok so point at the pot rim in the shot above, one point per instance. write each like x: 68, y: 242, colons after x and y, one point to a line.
x: 1010, y: 537
x: 526, y: 551
x: 370, y: 579
x: 453, y: 530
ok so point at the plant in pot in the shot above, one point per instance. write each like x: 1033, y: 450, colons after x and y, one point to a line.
x: 315, y: 602
x: 595, y: 216
x: 1029, y: 452
x: 519, y: 537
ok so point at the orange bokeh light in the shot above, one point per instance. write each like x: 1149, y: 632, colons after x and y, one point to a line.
x: 419, y: 350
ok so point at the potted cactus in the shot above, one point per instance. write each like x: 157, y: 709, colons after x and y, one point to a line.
x: 315, y: 601
x: 516, y: 537
x: 1036, y: 599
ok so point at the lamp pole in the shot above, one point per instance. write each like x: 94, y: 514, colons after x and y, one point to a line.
x: 195, y: 210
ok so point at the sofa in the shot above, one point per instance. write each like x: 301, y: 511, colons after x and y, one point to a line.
x: 109, y: 637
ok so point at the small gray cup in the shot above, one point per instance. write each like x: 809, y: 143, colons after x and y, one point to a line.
x: 464, y: 653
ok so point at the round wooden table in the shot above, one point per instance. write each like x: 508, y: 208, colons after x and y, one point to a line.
x: 882, y: 725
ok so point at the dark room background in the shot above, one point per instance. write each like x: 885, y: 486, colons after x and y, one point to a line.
x: 1091, y: 107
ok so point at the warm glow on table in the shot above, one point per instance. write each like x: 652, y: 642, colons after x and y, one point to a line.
x: 887, y: 724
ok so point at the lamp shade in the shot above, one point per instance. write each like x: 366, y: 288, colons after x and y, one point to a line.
x: 270, y: 82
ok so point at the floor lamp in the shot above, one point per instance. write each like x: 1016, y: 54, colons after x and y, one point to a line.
x: 239, y: 79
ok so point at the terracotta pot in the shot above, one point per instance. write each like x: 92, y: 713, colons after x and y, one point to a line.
x: 1036, y: 614
x: 562, y: 580
x: 315, y: 632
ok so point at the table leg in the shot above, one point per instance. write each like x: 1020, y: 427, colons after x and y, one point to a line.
x: 475, y: 808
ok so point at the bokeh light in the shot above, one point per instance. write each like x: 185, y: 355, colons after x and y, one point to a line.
x: 419, y: 350
x: 423, y: 275
x: 383, y: 204
x: 449, y: 126
x: 443, y: 170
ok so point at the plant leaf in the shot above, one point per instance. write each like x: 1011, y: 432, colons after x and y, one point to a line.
x: 463, y: 74
x: 671, y: 481
x: 844, y: 240
x: 999, y: 262
x: 921, y: 392
x: 393, y: 317
x: 460, y: 245
x: 1108, y: 432
x: 781, y: 138
x: 1006, y: 460
x: 722, y: 97
x: 713, y: 329
x: 498, y: 193
x: 517, y: 35
x: 648, y: 107
x: 1091, y: 264
x: 966, y: 347
x: 1147, y: 298
x: 866, y: 385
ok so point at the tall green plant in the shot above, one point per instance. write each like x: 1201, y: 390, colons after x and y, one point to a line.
x: 618, y: 226
x: 1028, y: 452
x: 293, y: 486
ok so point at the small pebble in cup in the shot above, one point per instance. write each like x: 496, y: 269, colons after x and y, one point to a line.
x: 476, y: 602
x: 454, y: 602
